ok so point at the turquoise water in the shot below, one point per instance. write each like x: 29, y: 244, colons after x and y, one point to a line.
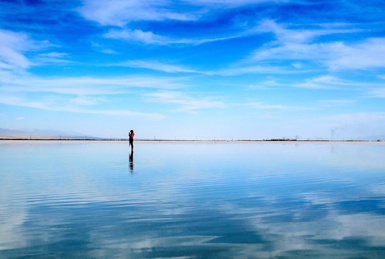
x: 65, y: 200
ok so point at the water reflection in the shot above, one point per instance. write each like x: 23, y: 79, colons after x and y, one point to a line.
x: 281, y: 201
x: 131, y: 161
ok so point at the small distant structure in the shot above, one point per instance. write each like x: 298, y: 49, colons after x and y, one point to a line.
x: 281, y: 139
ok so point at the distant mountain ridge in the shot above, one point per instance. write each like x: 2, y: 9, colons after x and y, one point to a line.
x: 4, y: 132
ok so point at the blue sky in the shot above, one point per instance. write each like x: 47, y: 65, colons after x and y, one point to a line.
x: 194, y: 69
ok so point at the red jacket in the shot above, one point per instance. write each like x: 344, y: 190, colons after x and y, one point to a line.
x: 132, y: 135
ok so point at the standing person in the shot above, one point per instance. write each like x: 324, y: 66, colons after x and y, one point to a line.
x: 131, y: 135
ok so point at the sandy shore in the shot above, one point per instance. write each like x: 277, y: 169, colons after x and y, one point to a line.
x: 196, y: 142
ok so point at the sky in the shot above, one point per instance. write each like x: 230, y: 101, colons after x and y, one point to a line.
x: 246, y: 69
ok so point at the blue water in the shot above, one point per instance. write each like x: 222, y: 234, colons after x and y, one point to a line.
x: 91, y: 200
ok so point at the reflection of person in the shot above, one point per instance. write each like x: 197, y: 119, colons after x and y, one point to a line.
x: 131, y: 135
x: 131, y: 161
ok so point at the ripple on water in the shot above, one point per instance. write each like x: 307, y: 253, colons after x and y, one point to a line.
x: 192, y: 201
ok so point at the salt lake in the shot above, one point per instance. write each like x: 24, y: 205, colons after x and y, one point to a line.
x: 96, y: 200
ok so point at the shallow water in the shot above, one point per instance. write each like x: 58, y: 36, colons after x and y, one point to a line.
x: 67, y: 200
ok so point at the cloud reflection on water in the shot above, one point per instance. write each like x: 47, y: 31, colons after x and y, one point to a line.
x: 193, y: 201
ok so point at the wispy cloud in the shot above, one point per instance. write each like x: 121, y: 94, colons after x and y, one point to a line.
x: 260, y: 105
x: 337, y: 102
x: 332, y: 82
x: 54, y: 55
x: 12, y: 48
x: 379, y: 93
x: 229, y: 3
x: 189, y: 104
x: 254, y: 69
x: 149, y: 37
x: 86, y: 100
x: 51, y: 57
x: 320, y: 82
x: 367, y: 54
x: 17, y: 101
x: 155, y: 65
x: 298, y: 44
x: 103, y: 49
x: 20, y: 118
x: 326, y: 82
x: 84, y: 85
x: 120, y: 12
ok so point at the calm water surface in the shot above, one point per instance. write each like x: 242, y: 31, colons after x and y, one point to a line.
x: 64, y: 200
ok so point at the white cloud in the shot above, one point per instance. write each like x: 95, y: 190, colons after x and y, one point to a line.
x: 53, y: 55
x: 85, y: 100
x: 17, y: 101
x: 321, y: 82
x: 121, y: 12
x: 297, y: 45
x: 380, y: 92
x: 12, y: 46
x: 367, y: 54
x: 260, y: 105
x: 20, y: 118
x: 155, y: 65
x: 151, y: 38
x: 284, y: 35
x: 84, y: 85
x: 103, y: 49
x: 229, y: 3
x: 138, y: 35
x: 337, y: 102
x: 108, y: 51
x: 239, y: 70
x: 189, y: 104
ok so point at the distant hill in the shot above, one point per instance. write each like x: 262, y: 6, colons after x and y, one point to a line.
x: 37, y: 133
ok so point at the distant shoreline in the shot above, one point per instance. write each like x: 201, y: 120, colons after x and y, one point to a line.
x: 151, y: 141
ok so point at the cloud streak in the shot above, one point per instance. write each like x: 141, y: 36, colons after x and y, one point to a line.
x: 12, y: 48
x: 298, y: 45
x: 260, y: 105
x: 379, y: 93
x: 17, y: 101
x: 85, y: 85
x: 188, y: 104
x: 148, y: 37
x: 120, y: 12
x: 155, y: 65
